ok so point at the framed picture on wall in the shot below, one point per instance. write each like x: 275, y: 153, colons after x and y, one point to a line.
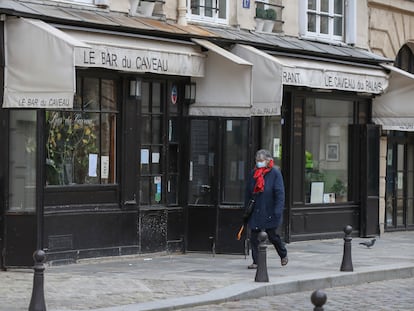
x: 332, y: 152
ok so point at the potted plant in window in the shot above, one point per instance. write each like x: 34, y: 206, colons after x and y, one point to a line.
x: 141, y: 7
x: 339, y: 189
x: 260, y: 18
x: 146, y: 7
x: 270, y: 17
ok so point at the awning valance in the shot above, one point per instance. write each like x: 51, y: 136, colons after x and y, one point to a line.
x: 132, y: 54
x: 334, y: 76
x: 39, y: 65
x: 394, y: 110
x: 226, y: 88
x: 266, y: 80
x: 270, y: 73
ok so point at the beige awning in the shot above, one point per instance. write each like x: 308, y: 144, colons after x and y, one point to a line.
x: 267, y: 85
x: 270, y: 73
x: 225, y: 90
x: 136, y: 54
x: 394, y: 110
x: 332, y: 76
x: 39, y: 65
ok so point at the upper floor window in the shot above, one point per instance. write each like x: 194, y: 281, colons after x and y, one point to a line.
x: 214, y: 11
x: 405, y: 58
x: 325, y: 19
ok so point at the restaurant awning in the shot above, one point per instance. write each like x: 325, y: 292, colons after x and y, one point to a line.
x: 332, y: 75
x: 270, y: 73
x: 225, y: 90
x: 39, y: 65
x: 394, y: 110
x: 266, y: 80
x: 138, y: 54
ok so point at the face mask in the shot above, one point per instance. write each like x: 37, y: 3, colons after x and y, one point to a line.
x: 261, y: 164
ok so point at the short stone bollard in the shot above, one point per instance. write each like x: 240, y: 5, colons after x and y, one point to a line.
x: 261, y: 272
x: 37, y: 302
x: 318, y: 299
x: 347, y: 256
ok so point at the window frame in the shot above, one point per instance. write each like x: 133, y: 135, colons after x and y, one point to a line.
x: 330, y: 36
x: 297, y: 162
x: 215, y: 19
x: 76, y: 195
x: 165, y: 144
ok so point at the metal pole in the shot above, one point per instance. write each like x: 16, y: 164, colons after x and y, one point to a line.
x: 347, y: 257
x: 318, y: 299
x: 261, y: 272
x: 37, y: 302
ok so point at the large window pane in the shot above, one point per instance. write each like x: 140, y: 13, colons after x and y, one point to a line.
x: 81, y: 144
x: 326, y: 155
x: 22, y: 165
x: 202, y: 158
x: 235, y: 160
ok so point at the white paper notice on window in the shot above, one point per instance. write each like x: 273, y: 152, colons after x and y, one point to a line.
x: 400, y: 178
x: 104, y: 166
x: 276, y: 144
x: 144, y: 156
x: 93, y: 164
x: 317, y: 192
x: 155, y: 157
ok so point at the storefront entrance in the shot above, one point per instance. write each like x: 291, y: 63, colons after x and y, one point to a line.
x: 218, y: 167
x: 399, y: 196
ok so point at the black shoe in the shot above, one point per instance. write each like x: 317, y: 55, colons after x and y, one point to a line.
x: 252, y: 266
x: 284, y: 261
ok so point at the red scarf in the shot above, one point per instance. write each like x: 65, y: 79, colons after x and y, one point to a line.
x: 259, y: 174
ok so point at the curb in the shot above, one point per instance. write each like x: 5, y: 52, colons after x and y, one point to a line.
x: 286, y: 285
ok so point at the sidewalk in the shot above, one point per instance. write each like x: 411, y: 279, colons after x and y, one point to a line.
x: 170, y: 282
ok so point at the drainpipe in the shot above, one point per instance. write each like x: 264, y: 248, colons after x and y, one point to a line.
x: 182, y: 11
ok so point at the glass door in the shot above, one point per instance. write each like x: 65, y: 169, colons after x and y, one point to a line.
x: 20, y: 214
x: 399, y: 196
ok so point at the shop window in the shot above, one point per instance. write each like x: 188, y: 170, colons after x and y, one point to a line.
x: 22, y: 163
x: 323, y: 19
x: 326, y: 150
x: 214, y: 11
x: 235, y: 146
x: 81, y: 143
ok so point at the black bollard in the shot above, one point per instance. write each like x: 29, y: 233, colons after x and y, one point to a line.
x: 347, y: 256
x: 318, y: 299
x: 261, y: 272
x: 37, y: 302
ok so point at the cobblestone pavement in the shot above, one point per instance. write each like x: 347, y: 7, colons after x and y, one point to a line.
x: 152, y: 281
x: 392, y: 295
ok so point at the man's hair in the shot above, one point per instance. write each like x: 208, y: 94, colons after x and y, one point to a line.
x: 263, y: 154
